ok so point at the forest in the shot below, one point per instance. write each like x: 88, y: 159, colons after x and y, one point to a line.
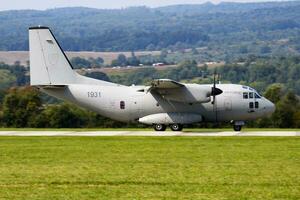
x: 225, y: 30
x: 277, y: 78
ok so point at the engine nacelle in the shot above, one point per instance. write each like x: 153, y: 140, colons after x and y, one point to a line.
x: 171, y: 118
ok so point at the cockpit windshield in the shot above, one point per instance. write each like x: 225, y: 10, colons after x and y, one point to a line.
x: 250, y: 95
x: 257, y: 96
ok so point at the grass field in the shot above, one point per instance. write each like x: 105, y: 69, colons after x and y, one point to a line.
x: 149, y: 168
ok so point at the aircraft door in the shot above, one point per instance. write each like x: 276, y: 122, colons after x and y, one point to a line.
x: 227, y: 104
x: 136, y: 106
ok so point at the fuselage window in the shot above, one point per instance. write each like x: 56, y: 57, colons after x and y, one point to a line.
x: 245, y: 95
x: 251, y: 105
x: 257, y: 96
x: 250, y: 95
x: 256, y: 104
x: 122, y: 105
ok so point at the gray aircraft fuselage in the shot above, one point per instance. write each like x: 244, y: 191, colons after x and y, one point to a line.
x: 106, y: 100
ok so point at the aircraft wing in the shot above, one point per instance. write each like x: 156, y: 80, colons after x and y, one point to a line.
x: 165, y: 84
x: 175, y: 91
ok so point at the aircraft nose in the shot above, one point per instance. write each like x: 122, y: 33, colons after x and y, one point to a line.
x: 270, y: 107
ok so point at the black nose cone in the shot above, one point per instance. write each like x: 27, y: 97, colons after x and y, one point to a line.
x: 216, y: 91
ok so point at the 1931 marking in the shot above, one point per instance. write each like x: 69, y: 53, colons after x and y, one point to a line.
x: 94, y: 94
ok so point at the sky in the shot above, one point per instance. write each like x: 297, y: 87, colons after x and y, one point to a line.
x: 48, y: 4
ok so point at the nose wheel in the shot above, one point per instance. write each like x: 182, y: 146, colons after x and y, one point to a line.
x: 237, y: 128
x: 237, y: 125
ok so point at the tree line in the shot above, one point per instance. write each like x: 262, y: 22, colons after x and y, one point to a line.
x: 275, y: 77
x: 23, y: 107
x: 259, y: 73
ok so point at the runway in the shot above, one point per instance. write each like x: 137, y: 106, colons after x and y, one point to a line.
x: 149, y: 133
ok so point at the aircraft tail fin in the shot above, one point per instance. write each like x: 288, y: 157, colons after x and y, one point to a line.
x: 48, y: 63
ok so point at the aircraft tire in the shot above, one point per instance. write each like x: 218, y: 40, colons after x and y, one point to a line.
x: 237, y: 128
x: 176, y: 127
x: 159, y: 127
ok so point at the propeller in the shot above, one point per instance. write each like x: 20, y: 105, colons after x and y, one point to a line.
x: 214, y: 92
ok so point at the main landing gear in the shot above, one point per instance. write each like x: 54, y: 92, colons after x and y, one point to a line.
x: 176, y: 127
x: 162, y: 127
x: 159, y: 127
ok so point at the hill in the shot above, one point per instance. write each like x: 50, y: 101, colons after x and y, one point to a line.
x: 227, y: 28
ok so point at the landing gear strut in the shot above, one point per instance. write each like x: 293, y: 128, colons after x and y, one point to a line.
x: 159, y: 127
x: 176, y: 127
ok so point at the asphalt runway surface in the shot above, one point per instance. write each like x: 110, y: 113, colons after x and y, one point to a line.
x: 147, y: 133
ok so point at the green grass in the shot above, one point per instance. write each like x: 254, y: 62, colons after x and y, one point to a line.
x: 149, y: 168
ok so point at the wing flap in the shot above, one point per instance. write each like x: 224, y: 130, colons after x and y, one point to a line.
x: 165, y: 84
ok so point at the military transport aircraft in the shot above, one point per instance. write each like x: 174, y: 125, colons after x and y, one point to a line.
x: 164, y: 103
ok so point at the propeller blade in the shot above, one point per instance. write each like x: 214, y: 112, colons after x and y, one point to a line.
x: 214, y: 92
x: 215, y: 79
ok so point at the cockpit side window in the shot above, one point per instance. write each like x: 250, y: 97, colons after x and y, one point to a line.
x: 250, y: 95
x: 245, y: 95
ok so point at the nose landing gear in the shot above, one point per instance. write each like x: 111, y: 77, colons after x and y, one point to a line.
x: 237, y: 125
x: 237, y: 128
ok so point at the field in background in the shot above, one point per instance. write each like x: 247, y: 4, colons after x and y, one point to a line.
x: 149, y: 168
x: 10, y: 57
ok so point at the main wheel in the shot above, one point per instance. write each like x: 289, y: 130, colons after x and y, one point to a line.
x: 237, y: 128
x: 176, y: 127
x: 159, y: 127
